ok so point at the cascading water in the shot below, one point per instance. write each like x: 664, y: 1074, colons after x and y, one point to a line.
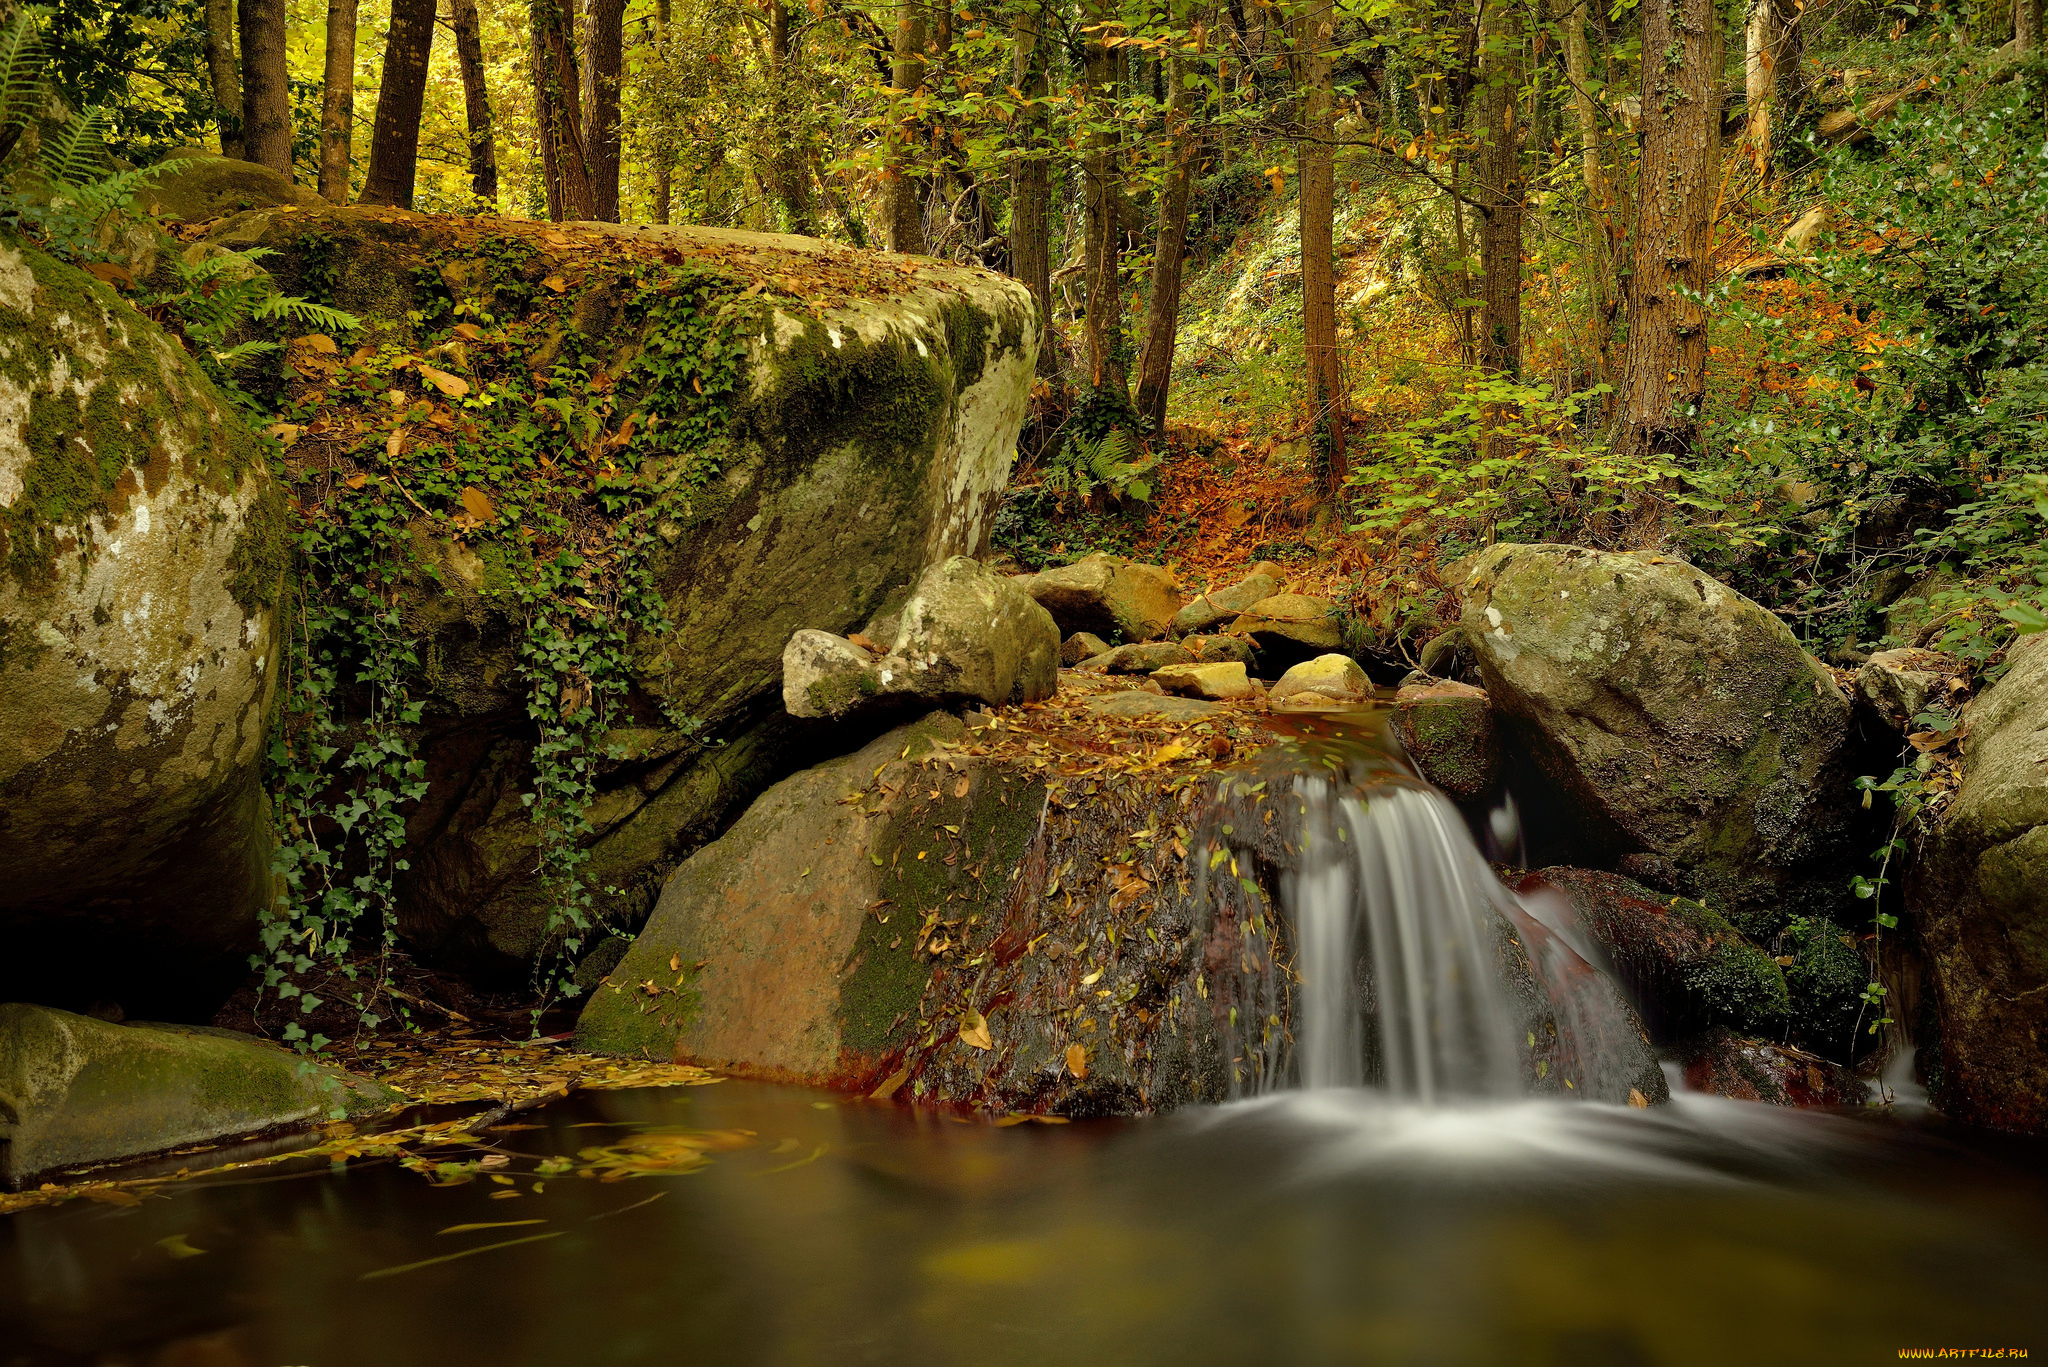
x: 1399, y: 960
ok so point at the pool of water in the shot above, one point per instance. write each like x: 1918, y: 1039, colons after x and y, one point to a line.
x: 1317, y: 1228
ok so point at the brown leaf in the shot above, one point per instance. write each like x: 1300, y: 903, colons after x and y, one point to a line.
x: 112, y: 273
x: 394, y: 445
x: 452, y: 385
x: 356, y: 481
x: 286, y: 433
x: 890, y: 1084
x: 974, y: 1030
x: 555, y: 283
x: 319, y: 342
x: 477, y: 504
x: 469, y: 332
x: 1077, y: 1059
x: 865, y: 644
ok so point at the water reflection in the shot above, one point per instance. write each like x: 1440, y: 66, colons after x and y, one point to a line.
x: 1315, y: 1228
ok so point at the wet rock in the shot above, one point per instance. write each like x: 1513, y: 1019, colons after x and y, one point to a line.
x: 1110, y: 596
x: 74, y: 1090
x: 1980, y: 898
x: 1668, y: 714
x: 1139, y: 659
x: 1291, y: 626
x: 145, y: 550
x: 1685, y: 966
x: 211, y: 186
x: 1584, y: 1037
x: 1328, y: 681
x: 870, y: 441
x: 1220, y: 607
x: 1209, y: 650
x: 1447, y: 655
x: 1724, y: 1064
x: 965, y: 635
x: 1896, y: 684
x: 1221, y: 682
x: 1082, y: 645
x: 1447, y: 730
x: 914, y: 921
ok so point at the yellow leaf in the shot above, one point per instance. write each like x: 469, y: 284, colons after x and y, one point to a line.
x: 1092, y: 978
x: 675, y: 963
x: 491, y: 1224
x: 286, y: 433
x: 320, y: 342
x: 356, y: 481
x: 1077, y: 1060
x: 394, y: 445
x: 454, y: 386
x: 175, y: 1245
x: 974, y: 1030
x: 469, y: 332
x: 477, y: 503
x: 555, y: 283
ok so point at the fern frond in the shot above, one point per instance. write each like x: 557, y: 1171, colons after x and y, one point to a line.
x: 77, y: 155
x: 22, y: 68
x: 307, y: 312
x: 242, y: 351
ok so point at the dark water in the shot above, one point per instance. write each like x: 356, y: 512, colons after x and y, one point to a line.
x: 1321, y: 1228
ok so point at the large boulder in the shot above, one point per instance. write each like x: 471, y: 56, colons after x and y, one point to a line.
x: 1328, y: 681
x: 966, y: 635
x: 1110, y: 596
x: 1138, y: 658
x: 917, y: 918
x: 1291, y: 627
x: 867, y: 438
x: 144, y: 549
x: 1220, y: 607
x: 74, y: 1090
x: 1670, y: 715
x: 208, y: 186
x: 1980, y: 900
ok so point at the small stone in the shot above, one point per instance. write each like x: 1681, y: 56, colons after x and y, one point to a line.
x: 1082, y: 645
x: 1448, y: 732
x: 1326, y: 682
x: 1896, y: 684
x: 1223, y: 682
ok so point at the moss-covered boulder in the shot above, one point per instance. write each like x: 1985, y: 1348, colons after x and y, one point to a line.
x: 1109, y: 595
x: 141, y: 556
x: 1447, y: 729
x: 1722, y: 1063
x: 1324, y: 683
x: 1291, y: 627
x: 731, y: 437
x: 1138, y: 658
x: 1220, y: 607
x: 1686, y: 967
x: 1667, y: 713
x: 74, y: 1090
x: 210, y: 186
x: 921, y: 918
x: 1980, y: 900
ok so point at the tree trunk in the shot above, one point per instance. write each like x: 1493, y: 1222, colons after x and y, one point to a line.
x: 338, y: 101
x: 1162, y: 313
x: 604, y: 52
x: 904, y: 207
x: 558, y: 113
x: 664, y: 161
x: 226, y: 75
x: 266, y: 97
x: 1664, y: 371
x: 1316, y: 165
x: 476, y: 100
x: 1103, y: 239
x: 1774, y: 85
x: 1031, y: 188
x: 787, y: 164
x: 1601, y: 236
x: 401, y: 95
x: 1501, y: 191
x: 2026, y: 25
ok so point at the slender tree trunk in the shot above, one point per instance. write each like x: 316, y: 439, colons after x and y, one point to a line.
x: 1664, y: 371
x: 2026, y: 25
x: 1031, y: 188
x: 401, y: 96
x: 558, y: 113
x: 226, y: 75
x: 1162, y: 313
x: 1103, y: 236
x: 1774, y: 84
x: 476, y: 100
x: 338, y: 101
x: 788, y: 165
x: 1601, y: 236
x: 604, y: 52
x: 1316, y: 165
x: 664, y: 162
x: 903, y: 205
x: 1501, y: 191
x: 266, y: 97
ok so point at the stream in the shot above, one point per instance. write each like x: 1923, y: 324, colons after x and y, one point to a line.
x: 1313, y: 1227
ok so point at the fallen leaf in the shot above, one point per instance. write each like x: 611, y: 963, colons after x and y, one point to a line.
x: 490, y: 1224
x: 112, y: 273
x: 454, y: 386
x: 1638, y: 1100
x: 1077, y: 1059
x: 469, y: 332
x: 1092, y: 978
x: 974, y: 1030
x: 177, y: 1247
x: 318, y: 341
x: 356, y: 481
x: 555, y: 283
x: 394, y: 445
x: 889, y: 1085
x: 286, y: 433
x: 865, y: 644
x: 478, y: 504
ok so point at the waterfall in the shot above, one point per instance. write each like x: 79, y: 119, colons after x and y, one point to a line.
x: 1380, y: 949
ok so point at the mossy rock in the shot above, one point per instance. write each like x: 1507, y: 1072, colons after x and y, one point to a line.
x: 142, y: 553
x: 1722, y: 1063
x: 210, y: 186
x: 1666, y: 713
x: 1447, y: 730
x: 74, y: 1090
x: 1826, y: 979
x: 1979, y: 900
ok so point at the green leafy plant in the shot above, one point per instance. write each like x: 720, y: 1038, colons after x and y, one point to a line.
x: 221, y: 294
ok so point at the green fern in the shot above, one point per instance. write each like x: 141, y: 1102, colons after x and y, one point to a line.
x: 76, y: 155
x: 22, y: 64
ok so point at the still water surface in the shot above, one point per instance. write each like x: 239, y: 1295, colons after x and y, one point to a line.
x: 1314, y: 1228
